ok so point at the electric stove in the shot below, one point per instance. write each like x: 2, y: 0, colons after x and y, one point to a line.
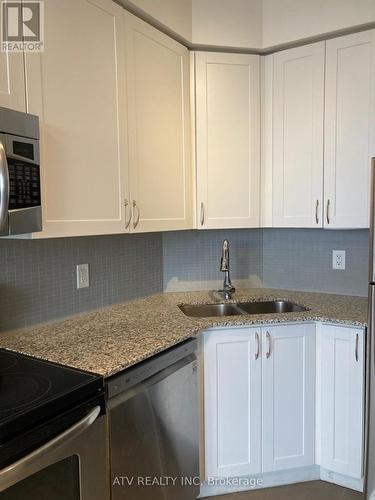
x: 38, y: 399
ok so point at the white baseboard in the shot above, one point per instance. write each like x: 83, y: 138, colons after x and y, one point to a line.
x: 223, y: 486
x: 260, y: 481
x: 341, y: 480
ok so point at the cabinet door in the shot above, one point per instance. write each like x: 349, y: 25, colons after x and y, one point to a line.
x: 76, y: 86
x: 288, y: 396
x: 298, y: 100
x: 228, y: 142
x: 349, y: 129
x: 232, y: 389
x: 161, y: 171
x: 342, y: 382
x: 12, y: 81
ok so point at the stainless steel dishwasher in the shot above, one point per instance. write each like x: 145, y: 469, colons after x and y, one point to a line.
x: 153, y: 424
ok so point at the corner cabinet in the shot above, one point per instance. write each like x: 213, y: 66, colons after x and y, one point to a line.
x: 288, y: 378
x: 259, y: 386
x: 283, y: 404
x: 227, y: 90
x: 159, y: 129
x: 77, y: 87
x: 342, y: 400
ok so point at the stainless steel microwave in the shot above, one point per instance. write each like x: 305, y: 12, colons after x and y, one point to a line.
x: 20, y: 187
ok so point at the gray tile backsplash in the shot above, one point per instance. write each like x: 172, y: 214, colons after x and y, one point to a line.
x: 301, y: 259
x: 38, y: 280
x: 192, y: 258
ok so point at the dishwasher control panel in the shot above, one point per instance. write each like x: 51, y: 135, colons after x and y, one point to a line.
x: 146, y: 369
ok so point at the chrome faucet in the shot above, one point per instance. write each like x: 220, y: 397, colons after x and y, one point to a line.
x: 228, y: 288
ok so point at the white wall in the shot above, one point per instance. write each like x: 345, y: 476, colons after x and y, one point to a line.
x: 289, y: 20
x: 232, y: 23
x: 174, y: 14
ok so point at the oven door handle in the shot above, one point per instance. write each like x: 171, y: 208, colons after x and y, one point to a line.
x: 32, y: 463
x: 4, y: 191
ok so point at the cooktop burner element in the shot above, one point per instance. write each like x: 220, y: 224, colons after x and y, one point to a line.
x: 7, y: 364
x: 32, y: 391
x: 19, y: 389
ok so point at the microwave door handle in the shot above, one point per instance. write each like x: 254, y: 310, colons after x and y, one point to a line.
x: 4, y: 191
x: 40, y: 458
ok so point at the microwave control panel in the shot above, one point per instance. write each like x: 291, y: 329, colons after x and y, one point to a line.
x: 24, y: 184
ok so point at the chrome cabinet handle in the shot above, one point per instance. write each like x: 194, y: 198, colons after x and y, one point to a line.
x: 268, y: 353
x: 202, y: 214
x: 258, y: 345
x: 317, y: 212
x: 135, y: 206
x: 328, y: 207
x: 356, y: 347
x: 127, y: 221
x: 4, y: 191
x: 30, y: 464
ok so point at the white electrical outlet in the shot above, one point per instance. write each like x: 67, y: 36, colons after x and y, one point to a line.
x: 83, y: 276
x: 338, y: 259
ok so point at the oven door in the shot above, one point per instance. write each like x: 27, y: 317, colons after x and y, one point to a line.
x: 72, y: 466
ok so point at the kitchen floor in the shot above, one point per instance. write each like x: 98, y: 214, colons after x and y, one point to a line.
x: 314, y: 490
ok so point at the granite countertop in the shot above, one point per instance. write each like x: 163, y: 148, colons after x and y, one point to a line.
x: 110, y: 340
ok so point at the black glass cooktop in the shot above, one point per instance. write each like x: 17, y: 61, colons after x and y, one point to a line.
x: 32, y: 391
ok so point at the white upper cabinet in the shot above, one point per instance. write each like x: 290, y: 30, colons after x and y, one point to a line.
x: 158, y: 106
x: 349, y: 129
x: 227, y: 140
x: 12, y: 81
x: 115, y: 122
x: 298, y: 101
x: 342, y: 396
x: 232, y: 384
x: 77, y: 87
x: 323, y: 134
x: 288, y: 375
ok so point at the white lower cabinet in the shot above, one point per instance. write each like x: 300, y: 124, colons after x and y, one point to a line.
x: 284, y: 403
x: 288, y: 378
x: 232, y: 371
x: 243, y: 370
x: 342, y: 400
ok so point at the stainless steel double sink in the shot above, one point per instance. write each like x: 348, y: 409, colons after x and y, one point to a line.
x: 241, y: 308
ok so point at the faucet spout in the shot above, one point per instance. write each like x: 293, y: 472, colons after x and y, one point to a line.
x: 228, y: 288
x: 224, y: 264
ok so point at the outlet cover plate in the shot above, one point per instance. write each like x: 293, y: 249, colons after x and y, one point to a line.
x: 339, y: 260
x: 83, y: 276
